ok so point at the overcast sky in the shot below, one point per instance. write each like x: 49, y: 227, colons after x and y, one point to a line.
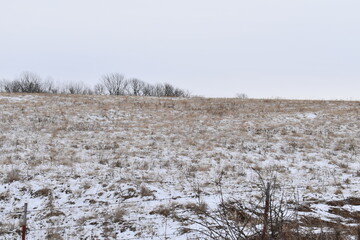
x: 278, y: 48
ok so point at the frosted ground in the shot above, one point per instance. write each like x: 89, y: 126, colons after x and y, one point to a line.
x: 103, y: 167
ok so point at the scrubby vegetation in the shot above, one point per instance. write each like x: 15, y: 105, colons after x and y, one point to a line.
x: 126, y: 167
x: 111, y: 84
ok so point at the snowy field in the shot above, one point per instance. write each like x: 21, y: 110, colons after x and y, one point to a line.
x: 105, y: 167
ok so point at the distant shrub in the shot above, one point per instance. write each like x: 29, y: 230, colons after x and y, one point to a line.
x: 28, y: 82
x: 145, y: 191
x: 119, y: 214
x: 99, y: 89
x: 242, y: 96
x: 77, y: 88
x: 112, y: 84
x: 136, y: 87
x: 12, y: 176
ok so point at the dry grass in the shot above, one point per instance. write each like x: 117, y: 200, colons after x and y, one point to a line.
x: 82, y: 142
x: 12, y: 176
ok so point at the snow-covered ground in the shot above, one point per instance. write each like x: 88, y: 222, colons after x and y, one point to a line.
x: 105, y: 167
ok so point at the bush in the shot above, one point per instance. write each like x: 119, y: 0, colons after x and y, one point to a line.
x: 119, y: 215
x: 12, y: 176
x: 115, y: 84
x: 112, y: 84
x: 239, y: 219
x: 136, y: 87
x: 77, y: 88
x: 242, y: 96
x: 28, y: 82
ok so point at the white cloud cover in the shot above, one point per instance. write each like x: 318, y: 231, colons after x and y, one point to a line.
x: 292, y: 49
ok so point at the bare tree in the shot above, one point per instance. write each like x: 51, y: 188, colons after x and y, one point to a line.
x: 169, y: 90
x: 158, y: 90
x: 235, y: 219
x: 242, y: 96
x: 136, y: 87
x: 30, y: 83
x: 148, y: 90
x: 76, y: 88
x: 11, y: 86
x: 2, y: 84
x: 99, y: 89
x: 27, y: 82
x: 115, y: 83
x: 49, y: 86
x: 88, y: 91
x: 181, y: 93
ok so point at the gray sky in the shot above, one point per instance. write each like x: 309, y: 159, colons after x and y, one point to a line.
x: 277, y: 48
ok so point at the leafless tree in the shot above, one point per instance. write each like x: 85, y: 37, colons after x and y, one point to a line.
x: 158, y: 90
x: 181, y: 93
x: 135, y: 87
x: 148, y: 90
x: 88, y: 91
x: 27, y: 83
x: 30, y: 83
x: 2, y: 83
x: 49, y: 86
x: 99, y: 89
x: 242, y: 96
x: 169, y: 90
x: 115, y: 83
x: 236, y: 219
x: 76, y: 88
x: 11, y: 86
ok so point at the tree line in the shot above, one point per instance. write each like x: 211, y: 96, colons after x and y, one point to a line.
x: 110, y: 84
